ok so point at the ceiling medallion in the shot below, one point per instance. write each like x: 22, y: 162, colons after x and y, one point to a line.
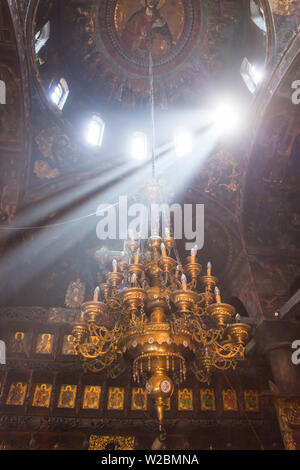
x: 129, y: 25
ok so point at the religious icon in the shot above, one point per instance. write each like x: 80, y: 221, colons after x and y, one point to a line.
x: 144, y: 24
x: 42, y: 395
x: 137, y: 24
x: 230, y: 402
x: 17, y: 394
x: 91, y: 397
x: 251, y: 399
x: 185, y: 400
x: 207, y: 399
x: 18, y: 342
x: 115, y: 398
x: 44, y: 343
x: 75, y: 294
x: 69, y: 346
x: 139, y: 399
x: 67, y: 396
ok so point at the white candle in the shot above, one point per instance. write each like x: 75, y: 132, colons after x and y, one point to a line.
x: 96, y: 294
x: 209, y: 268
x: 218, y: 295
x: 183, y: 282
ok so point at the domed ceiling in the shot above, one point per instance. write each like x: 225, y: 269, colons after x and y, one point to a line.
x: 103, y: 48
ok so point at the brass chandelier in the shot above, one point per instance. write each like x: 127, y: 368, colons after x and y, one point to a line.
x: 153, y: 320
x: 152, y: 317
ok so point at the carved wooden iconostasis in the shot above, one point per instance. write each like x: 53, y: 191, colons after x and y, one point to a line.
x: 44, y: 386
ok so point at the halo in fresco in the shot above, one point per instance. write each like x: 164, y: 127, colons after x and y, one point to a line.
x: 134, y: 24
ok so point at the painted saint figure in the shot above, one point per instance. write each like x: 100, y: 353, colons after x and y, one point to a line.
x: 67, y: 396
x: 139, y: 399
x: 145, y: 25
x: 69, y: 346
x: 185, y: 399
x: 91, y: 397
x: 115, y: 398
x: 230, y: 400
x: 18, y: 342
x: 16, y: 395
x: 42, y: 395
x: 44, y: 344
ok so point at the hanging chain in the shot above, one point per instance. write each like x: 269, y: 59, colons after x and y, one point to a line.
x: 152, y: 106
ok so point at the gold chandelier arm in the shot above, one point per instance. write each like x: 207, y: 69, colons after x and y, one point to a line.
x: 201, y: 374
x: 105, y: 341
x: 225, y: 364
x: 202, y: 335
x: 228, y: 350
x: 99, y: 364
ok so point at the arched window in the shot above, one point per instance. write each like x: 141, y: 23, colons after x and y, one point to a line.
x: 42, y: 37
x: 95, y: 131
x: 138, y: 148
x: 251, y: 74
x: 257, y: 15
x: 59, y: 93
x: 2, y: 92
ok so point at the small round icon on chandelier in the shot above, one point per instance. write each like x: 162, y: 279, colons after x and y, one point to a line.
x: 165, y: 386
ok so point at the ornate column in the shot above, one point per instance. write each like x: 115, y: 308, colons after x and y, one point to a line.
x: 274, y: 338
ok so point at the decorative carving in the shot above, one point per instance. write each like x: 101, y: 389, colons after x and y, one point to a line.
x: 111, y: 443
x: 288, y: 412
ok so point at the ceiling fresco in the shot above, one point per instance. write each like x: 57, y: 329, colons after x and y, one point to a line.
x: 108, y: 46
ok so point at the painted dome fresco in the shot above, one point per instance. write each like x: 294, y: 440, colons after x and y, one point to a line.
x: 102, y: 48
